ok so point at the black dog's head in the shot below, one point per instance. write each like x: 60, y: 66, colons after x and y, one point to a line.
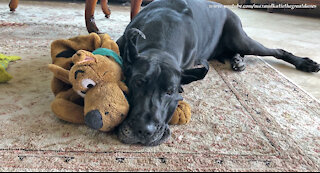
x: 154, y: 80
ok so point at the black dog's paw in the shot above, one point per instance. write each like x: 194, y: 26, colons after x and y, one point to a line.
x: 237, y: 63
x: 308, y: 65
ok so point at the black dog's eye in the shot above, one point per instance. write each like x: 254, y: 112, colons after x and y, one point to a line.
x: 170, y: 92
x: 139, y: 83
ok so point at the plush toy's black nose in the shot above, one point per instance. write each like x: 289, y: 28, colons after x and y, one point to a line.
x: 93, y: 119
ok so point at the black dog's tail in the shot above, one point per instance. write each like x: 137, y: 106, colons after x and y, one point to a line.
x: 130, y: 39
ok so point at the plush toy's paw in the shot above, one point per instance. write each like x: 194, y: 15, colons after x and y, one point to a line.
x: 67, y: 111
x: 182, y: 114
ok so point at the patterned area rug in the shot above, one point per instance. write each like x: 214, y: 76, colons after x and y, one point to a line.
x: 256, y: 120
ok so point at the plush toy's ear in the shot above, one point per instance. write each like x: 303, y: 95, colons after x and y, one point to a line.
x: 59, y: 72
x: 131, y: 52
x: 66, y: 54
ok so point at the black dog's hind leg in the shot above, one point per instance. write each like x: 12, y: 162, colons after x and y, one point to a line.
x: 244, y: 45
x: 251, y: 47
x: 237, y: 63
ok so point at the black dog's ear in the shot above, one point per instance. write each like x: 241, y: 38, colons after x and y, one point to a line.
x: 195, y: 74
x: 192, y: 75
x: 131, y: 52
x: 66, y: 54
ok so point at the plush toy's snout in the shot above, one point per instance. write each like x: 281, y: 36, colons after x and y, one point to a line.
x: 105, y: 106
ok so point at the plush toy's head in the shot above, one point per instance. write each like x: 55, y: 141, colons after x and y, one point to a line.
x: 98, y: 79
x: 62, y: 50
x: 90, y: 70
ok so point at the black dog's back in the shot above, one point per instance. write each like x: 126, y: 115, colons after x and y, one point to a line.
x: 196, y: 23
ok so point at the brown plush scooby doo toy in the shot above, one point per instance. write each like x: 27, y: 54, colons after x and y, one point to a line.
x: 97, y: 78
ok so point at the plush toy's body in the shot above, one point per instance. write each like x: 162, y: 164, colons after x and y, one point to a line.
x: 88, y: 86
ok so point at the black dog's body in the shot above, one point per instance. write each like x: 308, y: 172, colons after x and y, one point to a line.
x: 179, y: 34
x: 180, y: 29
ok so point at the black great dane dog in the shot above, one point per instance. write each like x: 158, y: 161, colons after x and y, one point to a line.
x: 167, y: 45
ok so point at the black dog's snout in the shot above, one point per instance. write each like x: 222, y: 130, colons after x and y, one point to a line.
x: 150, y: 134
x: 93, y: 119
x: 147, y: 131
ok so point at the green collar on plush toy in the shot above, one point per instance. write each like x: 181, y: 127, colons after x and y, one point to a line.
x: 109, y: 52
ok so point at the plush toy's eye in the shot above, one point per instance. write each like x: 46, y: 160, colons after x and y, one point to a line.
x: 88, y: 83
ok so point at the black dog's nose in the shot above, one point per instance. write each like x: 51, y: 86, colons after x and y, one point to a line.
x: 148, y: 130
x: 93, y: 119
